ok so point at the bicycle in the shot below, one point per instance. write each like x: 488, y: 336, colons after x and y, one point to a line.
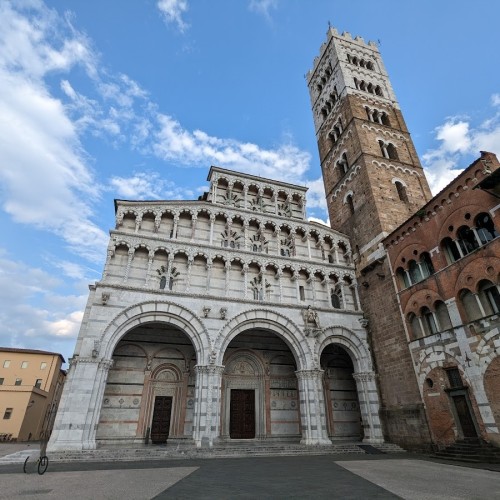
x: 42, y: 462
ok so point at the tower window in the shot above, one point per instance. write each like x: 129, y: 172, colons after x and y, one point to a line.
x: 350, y: 203
x: 403, y: 196
x: 38, y: 383
x: 391, y: 150
x: 335, y: 299
x: 378, y: 91
x: 7, y: 414
x: 18, y: 381
x: 302, y: 293
x: 343, y: 164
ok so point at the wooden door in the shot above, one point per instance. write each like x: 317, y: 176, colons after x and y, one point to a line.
x: 242, y: 414
x: 464, y: 416
x: 161, y: 419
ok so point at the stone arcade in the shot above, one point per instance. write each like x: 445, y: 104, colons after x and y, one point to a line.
x: 226, y: 318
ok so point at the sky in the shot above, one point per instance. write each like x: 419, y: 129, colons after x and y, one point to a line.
x: 136, y: 99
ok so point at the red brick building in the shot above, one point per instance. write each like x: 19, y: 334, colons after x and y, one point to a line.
x: 445, y: 261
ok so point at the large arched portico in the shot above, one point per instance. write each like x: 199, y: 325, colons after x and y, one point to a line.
x: 259, y: 389
x: 150, y: 388
x: 355, y: 347
x: 81, y: 403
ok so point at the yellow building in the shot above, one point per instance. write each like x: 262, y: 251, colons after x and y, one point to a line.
x: 31, y: 382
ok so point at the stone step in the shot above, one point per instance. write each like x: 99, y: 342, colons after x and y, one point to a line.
x: 190, y: 452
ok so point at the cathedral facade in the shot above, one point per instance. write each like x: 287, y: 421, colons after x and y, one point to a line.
x: 234, y: 318
x: 231, y: 317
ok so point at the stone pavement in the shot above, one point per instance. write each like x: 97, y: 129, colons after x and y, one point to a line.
x: 319, y: 477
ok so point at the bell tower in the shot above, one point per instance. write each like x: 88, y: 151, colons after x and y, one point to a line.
x: 373, y: 182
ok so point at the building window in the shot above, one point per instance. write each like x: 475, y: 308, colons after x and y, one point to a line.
x: 454, y: 378
x: 38, y: 383
x: 489, y: 297
x: 429, y: 321
x: 19, y: 381
x: 335, y: 299
x: 485, y: 228
x: 24, y: 364
x: 163, y: 282
x: 6, y: 363
x: 43, y: 365
x: 7, y: 414
x: 467, y: 240
x: 302, y: 293
x: 1, y: 381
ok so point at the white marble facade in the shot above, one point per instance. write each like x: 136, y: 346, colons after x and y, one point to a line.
x: 236, y: 291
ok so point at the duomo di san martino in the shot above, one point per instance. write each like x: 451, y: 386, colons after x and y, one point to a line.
x: 232, y: 319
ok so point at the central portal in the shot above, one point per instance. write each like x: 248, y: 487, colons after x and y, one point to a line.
x: 242, y: 414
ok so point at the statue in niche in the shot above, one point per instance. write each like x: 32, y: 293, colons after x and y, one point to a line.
x: 311, y: 322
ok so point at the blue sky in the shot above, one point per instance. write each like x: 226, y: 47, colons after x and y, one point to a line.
x: 136, y: 99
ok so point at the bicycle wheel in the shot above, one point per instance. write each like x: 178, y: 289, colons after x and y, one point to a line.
x: 25, y: 464
x: 43, y: 463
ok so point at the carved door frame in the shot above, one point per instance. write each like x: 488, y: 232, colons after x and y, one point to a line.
x: 255, y: 381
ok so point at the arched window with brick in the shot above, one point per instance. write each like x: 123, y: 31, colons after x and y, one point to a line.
x: 485, y: 228
x: 489, y: 297
x: 401, y: 190
x: 471, y: 305
x: 442, y: 316
x: 415, y: 326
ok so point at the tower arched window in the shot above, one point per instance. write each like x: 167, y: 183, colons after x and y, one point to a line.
x: 401, y: 189
x: 350, y: 203
x: 343, y: 164
x: 485, y: 228
x: 378, y: 91
x: 369, y: 88
x: 391, y: 151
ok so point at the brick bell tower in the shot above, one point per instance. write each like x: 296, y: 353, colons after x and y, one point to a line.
x: 373, y: 182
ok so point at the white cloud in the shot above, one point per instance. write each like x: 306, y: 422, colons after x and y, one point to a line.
x: 46, y: 181
x: 460, y: 142
x: 172, y: 142
x: 32, y: 312
x: 172, y: 12
x: 316, y: 194
x: 263, y: 7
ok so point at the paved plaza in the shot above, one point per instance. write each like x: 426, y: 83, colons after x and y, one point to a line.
x: 318, y: 477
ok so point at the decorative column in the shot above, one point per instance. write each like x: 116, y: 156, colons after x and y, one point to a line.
x: 138, y: 221
x: 212, y: 222
x: 157, y: 223
x: 279, y: 275
x: 471, y: 368
x: 310, y: 282
x: 150, y: 264
x: 336, y: 250
x: 131, y: 252
x: 207, y: 402
x: 245, y: 234
x: 227, y: 269
x: 194, y: 218
x: 80, y: 406
x: 188, y: 277
x: 174, y: 230
x: 111, y: 252
x: 245, y: 196
x: 277, y: 234
x: 312, y: 407
x: 369, y: 406
x: 209, y: 274
x: 244, y: 271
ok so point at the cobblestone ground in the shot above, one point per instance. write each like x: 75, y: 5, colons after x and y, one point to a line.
x: 317, y: 477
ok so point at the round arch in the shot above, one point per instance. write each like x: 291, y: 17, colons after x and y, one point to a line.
x: 356, y: 348
x: 267, y: 320
x: 156, y: 312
